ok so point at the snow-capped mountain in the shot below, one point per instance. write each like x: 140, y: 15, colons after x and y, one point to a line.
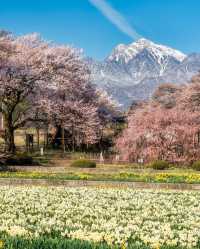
x: 132, y: 72
x: 125, y: 53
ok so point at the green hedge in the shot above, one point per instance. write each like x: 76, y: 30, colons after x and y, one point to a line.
x: 20, y: 160
x: 196, y: 165
x: 159, y: 165
x: 83, y: 163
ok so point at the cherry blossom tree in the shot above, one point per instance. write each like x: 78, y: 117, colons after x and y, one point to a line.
x: 107, y: 107
x: 21, y: 72
x: 166, y: 127
x: 72, y: 100
x: 41, y: 82
x: 166, y: 95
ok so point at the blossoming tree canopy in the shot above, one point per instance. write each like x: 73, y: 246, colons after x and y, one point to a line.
x: 39, y: 77
x: 73, y: 101
x: 166, y: 127
x: 21, y: 73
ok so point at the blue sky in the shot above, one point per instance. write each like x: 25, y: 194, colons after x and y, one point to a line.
x: 79, y: 23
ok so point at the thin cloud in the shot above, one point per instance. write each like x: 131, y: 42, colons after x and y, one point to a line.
x: 116, y: 18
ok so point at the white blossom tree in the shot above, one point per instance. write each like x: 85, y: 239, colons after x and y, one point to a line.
x: 22, y: 71
x: 72, y: 100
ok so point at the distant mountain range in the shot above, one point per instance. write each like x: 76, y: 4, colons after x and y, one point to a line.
x: 132, y: 72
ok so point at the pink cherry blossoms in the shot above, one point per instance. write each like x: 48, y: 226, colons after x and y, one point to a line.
x: 41, y: 82
x: 167, y: 127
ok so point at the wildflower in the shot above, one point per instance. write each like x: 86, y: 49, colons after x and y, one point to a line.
x: 1, y: 244
x: 123, y: 245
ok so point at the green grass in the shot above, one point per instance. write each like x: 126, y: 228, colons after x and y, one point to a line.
x: 8, y: 242
x: 190, y: 177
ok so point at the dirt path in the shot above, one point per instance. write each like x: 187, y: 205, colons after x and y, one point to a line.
x: 103, y: 184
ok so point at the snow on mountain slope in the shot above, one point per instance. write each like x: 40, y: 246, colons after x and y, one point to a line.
x: 126, y: 53
x: 132, y: 72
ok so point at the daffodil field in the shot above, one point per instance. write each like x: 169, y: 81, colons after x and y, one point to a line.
x: 114, y: 216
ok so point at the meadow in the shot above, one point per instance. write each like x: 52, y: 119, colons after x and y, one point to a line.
x: 115, y: 217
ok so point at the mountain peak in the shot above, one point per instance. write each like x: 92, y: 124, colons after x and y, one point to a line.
x: 125, y: 53
x: 143, y: 41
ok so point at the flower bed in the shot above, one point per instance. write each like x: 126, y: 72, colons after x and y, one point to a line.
x: 117, y: 217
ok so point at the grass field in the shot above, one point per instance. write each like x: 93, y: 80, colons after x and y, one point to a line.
x: 104, y: 173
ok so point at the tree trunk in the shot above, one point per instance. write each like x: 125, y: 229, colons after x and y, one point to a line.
x: 44, y: 137
x: 38, y: 137
x: 10, y: 140
x: 46, y: 142
x: 63, y: 138
x: 47, y: 136
x: 73, y: 139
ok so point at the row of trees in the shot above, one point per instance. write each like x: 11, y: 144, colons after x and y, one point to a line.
x: 44, y: 85
x: 167, y: 127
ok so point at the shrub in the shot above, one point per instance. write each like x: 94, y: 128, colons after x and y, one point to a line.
x: 4, y: 168
x: 20, y: 160
x: 196, y: 165
x: 160, y: 165
x: 83, y: 163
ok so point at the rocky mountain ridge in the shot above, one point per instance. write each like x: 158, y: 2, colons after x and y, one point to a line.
x: 132, y: 72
